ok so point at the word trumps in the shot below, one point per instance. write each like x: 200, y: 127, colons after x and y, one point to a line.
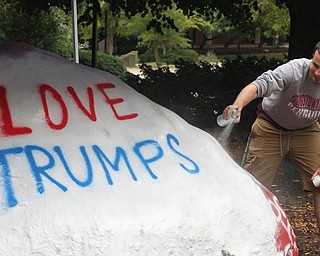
x: 40, y: 171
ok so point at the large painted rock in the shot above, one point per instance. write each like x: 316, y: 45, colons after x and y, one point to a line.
x: 88, y: 166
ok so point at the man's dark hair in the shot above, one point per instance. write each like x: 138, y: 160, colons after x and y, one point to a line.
x: 317, y: 48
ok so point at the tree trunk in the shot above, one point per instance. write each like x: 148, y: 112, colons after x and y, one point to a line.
x: 304, y: 28
x: 111, y: 30
x: 106, y: 31
x: 156, y: 54
x: 109, y: 39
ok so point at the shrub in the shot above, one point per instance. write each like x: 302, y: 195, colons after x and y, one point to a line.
x: 198, y: 92
x: 178, y: 55
x: 171, y: 57
x: 50, y: 30
x: 105, y: 62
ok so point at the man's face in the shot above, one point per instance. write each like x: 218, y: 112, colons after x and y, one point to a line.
x: 315, y: 68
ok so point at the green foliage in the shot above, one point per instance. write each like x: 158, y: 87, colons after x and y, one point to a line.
x: 243, y: 70
x: 165, y: 41
x: 50, y: 30
x: 35, y: 6
x: 105, y: 62
x: 274, y: 20
x: 170, y: 57
x: 176, y: 55
x: 198, y: 92
x: 128, y: 44
x: 233, y: 10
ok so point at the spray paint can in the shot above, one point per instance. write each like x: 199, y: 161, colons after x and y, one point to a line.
x: 316, y: 181
x: 223, y: 122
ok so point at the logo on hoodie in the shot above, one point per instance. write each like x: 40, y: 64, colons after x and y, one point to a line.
x: 305, y: 106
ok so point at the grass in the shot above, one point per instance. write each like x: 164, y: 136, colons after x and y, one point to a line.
x: 216, y: 59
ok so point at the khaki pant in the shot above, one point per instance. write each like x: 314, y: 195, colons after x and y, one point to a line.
x: 269, y: 145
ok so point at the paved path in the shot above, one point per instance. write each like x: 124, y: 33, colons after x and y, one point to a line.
x: 136, y: 70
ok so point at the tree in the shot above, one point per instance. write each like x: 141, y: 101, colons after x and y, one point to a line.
x: 210, y: 28
x: 165, y: 41
x: 49, y: 30
x: 273, y: 20
x: 304, y: 16
x: 235, y: 10
x: 33, y: 6
x: 111, y: 23
x: 304, y: 26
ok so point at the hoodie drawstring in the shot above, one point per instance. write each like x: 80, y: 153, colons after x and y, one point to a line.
x: 288, y: 143
x: 280, y: 142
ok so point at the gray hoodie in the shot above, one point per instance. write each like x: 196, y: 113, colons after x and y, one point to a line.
x: 291, y: 97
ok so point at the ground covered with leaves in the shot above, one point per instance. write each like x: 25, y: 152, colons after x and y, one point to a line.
x: 299, y: 208
x: 297, y: 204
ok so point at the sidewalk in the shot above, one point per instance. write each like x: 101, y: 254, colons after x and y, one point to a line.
x: 136, y: 70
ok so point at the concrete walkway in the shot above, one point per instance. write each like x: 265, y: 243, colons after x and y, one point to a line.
x: 136, y: 70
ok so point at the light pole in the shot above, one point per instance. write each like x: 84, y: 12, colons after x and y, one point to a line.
x: 75, y: 31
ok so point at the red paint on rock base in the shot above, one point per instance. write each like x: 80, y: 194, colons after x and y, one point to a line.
x: 285, y: 237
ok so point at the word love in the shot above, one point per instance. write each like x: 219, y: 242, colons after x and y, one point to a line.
x: 7, y: 128
x: 57, y: 158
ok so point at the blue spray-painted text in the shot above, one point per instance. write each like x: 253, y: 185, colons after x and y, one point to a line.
x: 41, y: 171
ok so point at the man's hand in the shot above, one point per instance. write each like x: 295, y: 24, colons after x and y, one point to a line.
x: 317, y: 172
x: 227, y: 112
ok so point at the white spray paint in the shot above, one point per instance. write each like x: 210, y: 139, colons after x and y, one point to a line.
x: 90, y: 167
x: 225, y: 135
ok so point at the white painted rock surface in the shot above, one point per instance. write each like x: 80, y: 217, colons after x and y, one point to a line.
x: 88, y: 166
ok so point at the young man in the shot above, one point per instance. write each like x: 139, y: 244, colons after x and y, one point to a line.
x: 287, y: 122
